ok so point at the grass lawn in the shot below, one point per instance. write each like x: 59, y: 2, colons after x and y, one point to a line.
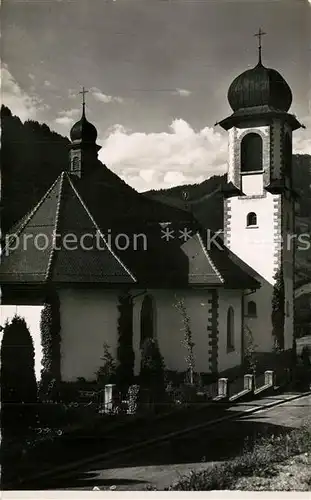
x: 292, y: 475
x: 272, y: 463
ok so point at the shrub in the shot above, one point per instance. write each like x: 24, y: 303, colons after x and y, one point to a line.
x: 152, y: 371
x: 218, y: 478
x: 125, y: 352
x: 278, y: 311
x: 187, y: 340
x: 50, y: 339
x: 250, y: 352
x: 18, y: 381
x: 49, y: 389
x: 133, y: 398
x: 184, y: 394
x: 305, y: 356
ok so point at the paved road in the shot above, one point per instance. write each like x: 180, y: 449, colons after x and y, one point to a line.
x: 162, y: 464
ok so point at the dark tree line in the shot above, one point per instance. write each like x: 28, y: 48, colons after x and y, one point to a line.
x: 32, y: 156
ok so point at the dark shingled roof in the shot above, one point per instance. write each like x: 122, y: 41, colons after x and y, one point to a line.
x: 61, y: 212
x: 79, y: 207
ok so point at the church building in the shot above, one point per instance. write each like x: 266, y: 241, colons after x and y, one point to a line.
x: 92, y: 240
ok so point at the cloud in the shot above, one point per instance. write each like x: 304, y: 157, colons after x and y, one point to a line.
x: 31, y: 76
x: 47, y: 83
x: 22, y: 104
x: 179, y: 156
x: 160, y: 160
x: 72, y: 93
x: 183, y: 92
x: 99, y: 96
x: 64, y: 120
x: 71, y: 113
x: 67, y: 117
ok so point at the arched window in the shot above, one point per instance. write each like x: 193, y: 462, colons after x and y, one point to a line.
x: 252, y: 309
x: 75, y: 164
x: 230, y: 329
x: 251, y: 153
x: 146, y: 319
x: 251, y: 219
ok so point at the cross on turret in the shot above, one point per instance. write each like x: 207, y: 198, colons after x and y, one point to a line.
x: 83, y: 92
x: 259, y: 35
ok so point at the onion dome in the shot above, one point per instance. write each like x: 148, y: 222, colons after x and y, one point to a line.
x: 83, y: 130
x: 260, y: 86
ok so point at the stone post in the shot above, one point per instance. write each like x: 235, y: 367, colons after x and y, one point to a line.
x: 110, y: 390
x: 223, y: 388
x: 249, y: 382
x: 270, y: 378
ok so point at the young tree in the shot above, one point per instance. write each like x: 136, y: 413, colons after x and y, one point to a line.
x: 250, y: 348
x: 187, y: 340
x: 106, y: 373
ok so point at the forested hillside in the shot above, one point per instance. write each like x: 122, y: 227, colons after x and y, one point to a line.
x: 32, y: 156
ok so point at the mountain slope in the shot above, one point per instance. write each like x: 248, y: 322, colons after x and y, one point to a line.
x: 205, y: 201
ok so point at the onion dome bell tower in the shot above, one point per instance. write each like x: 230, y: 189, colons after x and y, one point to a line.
x: 259, y: 199
x: 83, y: 147
x: 260, y: 130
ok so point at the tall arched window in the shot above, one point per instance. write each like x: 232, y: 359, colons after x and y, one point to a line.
x: 230, y: 329
x: 251, y: 219
x: 147, y: 319
x: 251, y: 153
x: 252, y: 309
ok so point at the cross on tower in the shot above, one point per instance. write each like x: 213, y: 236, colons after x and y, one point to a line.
x: 259, y: 35
x: 83, y: 92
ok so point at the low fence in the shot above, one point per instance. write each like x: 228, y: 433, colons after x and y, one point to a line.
x: 108, y: 400
x: 222, y: 389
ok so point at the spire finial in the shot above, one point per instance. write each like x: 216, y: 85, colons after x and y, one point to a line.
x: 83, y: 92
x: 260, y: 34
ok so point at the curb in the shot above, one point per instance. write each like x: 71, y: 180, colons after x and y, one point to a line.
x: 148, y: 442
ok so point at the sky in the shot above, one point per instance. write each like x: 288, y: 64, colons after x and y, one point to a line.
x: 157, y: 72
x: 31, y: 314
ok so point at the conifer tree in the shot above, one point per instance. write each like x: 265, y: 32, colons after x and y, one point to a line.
x: 18, y: 381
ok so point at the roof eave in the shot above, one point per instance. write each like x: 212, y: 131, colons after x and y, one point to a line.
x: 238, y: 118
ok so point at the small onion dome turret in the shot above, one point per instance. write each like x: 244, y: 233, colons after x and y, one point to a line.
x: 260, y: 86
x: 83, y: 131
